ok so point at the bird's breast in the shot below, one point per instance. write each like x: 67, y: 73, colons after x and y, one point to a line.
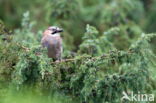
x: 52, y: 41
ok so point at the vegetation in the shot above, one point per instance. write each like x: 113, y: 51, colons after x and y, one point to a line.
x: 109, y: 47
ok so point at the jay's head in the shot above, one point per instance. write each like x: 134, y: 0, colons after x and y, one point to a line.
x: 54, y: 30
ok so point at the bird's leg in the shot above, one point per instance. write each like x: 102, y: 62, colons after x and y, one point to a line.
x: 59, y: 58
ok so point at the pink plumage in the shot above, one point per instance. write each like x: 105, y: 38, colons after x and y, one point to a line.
x: 53, y: 42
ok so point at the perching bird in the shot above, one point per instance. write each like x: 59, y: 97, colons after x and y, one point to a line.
x: 53, y: 42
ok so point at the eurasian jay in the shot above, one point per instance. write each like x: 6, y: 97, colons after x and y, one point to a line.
x: 53, y: 42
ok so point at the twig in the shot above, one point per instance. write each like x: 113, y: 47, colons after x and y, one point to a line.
x: 68, y: 60
x: 73, y: 59
x: 25, y: 48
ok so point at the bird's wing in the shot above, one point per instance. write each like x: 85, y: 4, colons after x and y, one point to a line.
x: 44, y: 42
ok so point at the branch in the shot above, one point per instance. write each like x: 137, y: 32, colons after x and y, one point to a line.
x: 104, y: 56
x: 25, y: 48
x: 73, y: 59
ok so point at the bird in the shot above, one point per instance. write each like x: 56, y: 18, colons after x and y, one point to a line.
x: 52, y: 40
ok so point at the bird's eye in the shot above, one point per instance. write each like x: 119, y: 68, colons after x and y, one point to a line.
x: 53, y: 29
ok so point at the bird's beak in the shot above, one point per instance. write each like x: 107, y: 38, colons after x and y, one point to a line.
x: 60, y: 30
x: 57, y: 31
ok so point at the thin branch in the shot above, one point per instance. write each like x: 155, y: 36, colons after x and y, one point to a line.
x: 73, y: 59
x: 23, y: 47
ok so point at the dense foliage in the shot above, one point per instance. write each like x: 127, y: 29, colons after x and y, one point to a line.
x: 107, y: 49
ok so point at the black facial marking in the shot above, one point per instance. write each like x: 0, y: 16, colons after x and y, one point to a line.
x: 54, y: 31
